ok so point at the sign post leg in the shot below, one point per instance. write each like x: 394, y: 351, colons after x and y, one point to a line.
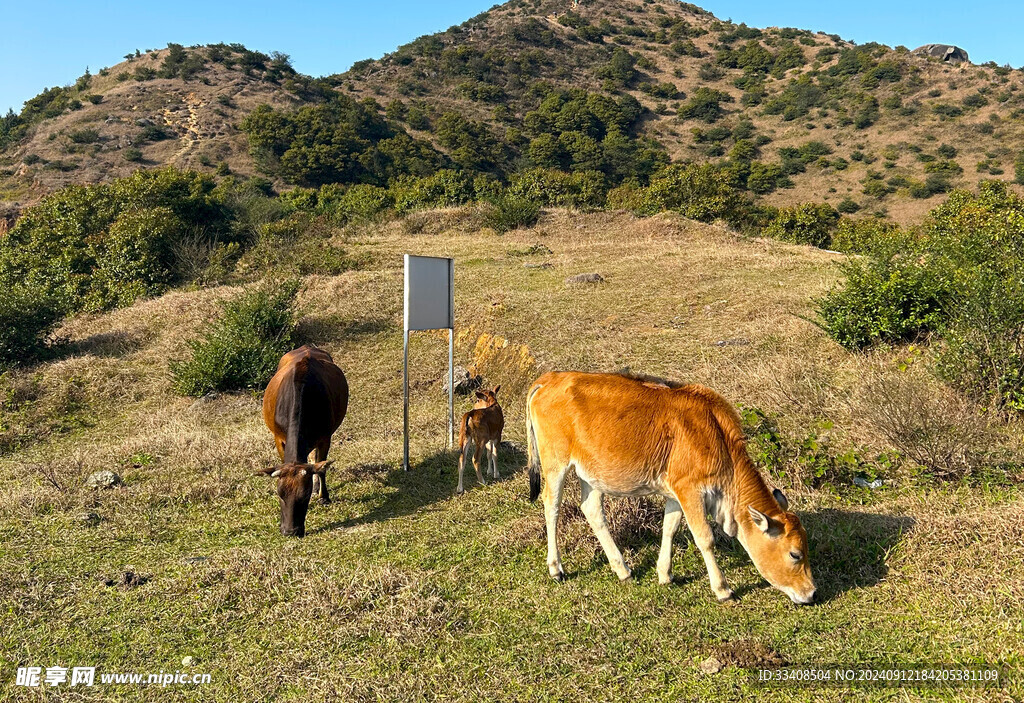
x: 451, y: 388
x: 405, y: 401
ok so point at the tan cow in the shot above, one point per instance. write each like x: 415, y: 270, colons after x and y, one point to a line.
x: 630, y: 436
x: 479, y: 432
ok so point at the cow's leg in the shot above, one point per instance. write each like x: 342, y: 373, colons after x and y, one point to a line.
x: 322, y: 448
x: 463, y: 458
x: 693, y: 509
x: 593, y: 507
x: 494, y: 458
x: 552, y: 495
x: 279, y: 442
x: 673, y: 516
x: 479, y: 450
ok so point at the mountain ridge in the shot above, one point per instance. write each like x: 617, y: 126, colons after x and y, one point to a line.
x: 874, y: 123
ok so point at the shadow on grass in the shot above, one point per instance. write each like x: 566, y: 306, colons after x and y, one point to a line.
x: 104, y: 344
x: 428, y: 481
x: 320, y: 329
x: 850, y: 549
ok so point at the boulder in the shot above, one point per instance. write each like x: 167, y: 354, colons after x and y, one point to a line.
x: 103, y: 479
x: 584, y: 278
x: 465, y: 382
x: 944, y: 52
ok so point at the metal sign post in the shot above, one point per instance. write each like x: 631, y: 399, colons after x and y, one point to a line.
x: 429, y: 305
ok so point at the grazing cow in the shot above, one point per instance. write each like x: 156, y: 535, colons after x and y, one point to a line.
x: 628, y: 436
x: 481, y: 431
x: 304, y: 404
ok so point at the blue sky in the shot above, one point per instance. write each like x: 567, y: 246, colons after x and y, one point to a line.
x: 50, y: 42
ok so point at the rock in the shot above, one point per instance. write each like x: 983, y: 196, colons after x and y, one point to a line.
x: 143, y: 122
x: 543, y: 265
x: 736, y: 342
x: 187, y: 661
x: 863, y: 483
x: 711, y: 665
x: 582, y: 278
x: 195, y: 560
x: 465, y: 382
x: 103, y: 479
x: 945, y: 52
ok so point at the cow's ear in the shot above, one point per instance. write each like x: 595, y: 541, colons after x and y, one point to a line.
x: 480, y: 395
x: 759, y: 518
x: 496, y: 389
x: 781, y: 499
x: 321, y: 466
x: 273, y: 471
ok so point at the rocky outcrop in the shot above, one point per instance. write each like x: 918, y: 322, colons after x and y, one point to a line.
x: 944, y: 52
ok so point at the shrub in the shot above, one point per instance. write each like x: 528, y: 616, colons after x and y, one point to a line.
x: 27, y: 319
x: 511, y: 211
x: 241, y: 349
x: 93, y: 247
x: 698, y: 191
x: 809, y: 223
x: 132, y: 154
x: 847, y: 206
x: 888, y: 298
x: 865, y: 235
x: 84, y: 136
x: 705, y: 104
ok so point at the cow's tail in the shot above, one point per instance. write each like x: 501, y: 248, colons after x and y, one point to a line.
x: 532, y: 453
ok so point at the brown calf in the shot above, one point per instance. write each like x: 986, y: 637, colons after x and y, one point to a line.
x: 481, y: 430
x: 303, y: 405
x: 626, y: 435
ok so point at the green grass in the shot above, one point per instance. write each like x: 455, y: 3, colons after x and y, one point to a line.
x: 402, y: 591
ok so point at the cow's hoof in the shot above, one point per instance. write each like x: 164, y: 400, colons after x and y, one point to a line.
x: 729, y: 596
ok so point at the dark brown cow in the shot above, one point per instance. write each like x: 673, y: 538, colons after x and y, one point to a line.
x: 303, y: 405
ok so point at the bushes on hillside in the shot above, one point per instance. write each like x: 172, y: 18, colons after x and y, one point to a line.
x: 95, y: 247
x: 959, y: 278
x: 511, y: 211
x: 241, y: 349
x: 26, y: 322
x: 809, y: 223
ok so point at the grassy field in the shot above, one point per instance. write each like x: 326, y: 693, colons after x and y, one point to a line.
x: 402, y: 591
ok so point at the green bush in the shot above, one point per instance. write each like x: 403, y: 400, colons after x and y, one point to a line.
x: 94, y: 247
x: 511, y: 211
x: 808, y: 223
x: 27, y: 320
x: 705, y: 104
x: 240, y: 350
x: 581, y: 190
x: 887, y: 298
x: 698, y: 191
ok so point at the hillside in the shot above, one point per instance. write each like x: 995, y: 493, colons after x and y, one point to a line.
x: 794, y: 116
x: 401, y: 590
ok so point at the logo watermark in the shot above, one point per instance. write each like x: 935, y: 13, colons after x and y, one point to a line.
x: 85, y: 676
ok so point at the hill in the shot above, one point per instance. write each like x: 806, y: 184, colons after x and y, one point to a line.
x: 401, y: 589
x: 790, y: 115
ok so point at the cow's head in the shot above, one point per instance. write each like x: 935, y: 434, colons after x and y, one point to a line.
x: 486, y: 398
x: 294, y: 489
x: 777, y: 545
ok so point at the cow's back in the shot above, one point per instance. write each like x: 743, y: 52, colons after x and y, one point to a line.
x: 324, y: 394
x: 627, y: 430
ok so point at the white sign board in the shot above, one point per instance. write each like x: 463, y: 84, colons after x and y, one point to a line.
x: 429, y: 305
x: 429, y: 294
